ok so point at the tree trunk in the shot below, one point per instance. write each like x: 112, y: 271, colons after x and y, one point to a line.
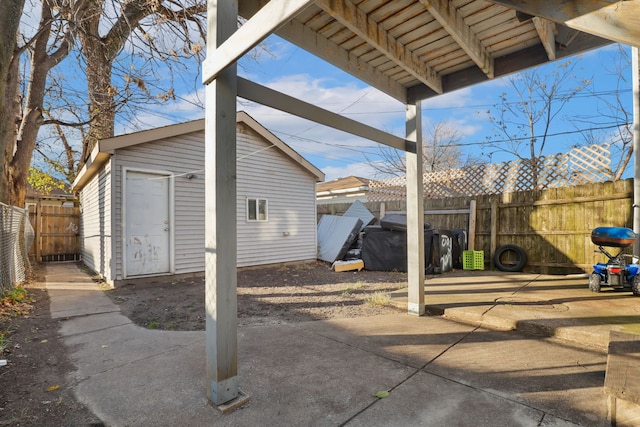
x: 101, y: 99
x: 41, y: 64
x: 9, y: 22
x: 100, y: 52
x: 101, y: 94
x: 623, y: 164
x: 11, y: 107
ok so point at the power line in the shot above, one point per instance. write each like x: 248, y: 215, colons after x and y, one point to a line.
x: 367, y: 150
x: 466, y: 144
x: 344, y: 146
x: 526, y: 138
x: 459, y: 107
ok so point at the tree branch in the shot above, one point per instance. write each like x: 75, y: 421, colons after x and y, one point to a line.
x: 66, y: 124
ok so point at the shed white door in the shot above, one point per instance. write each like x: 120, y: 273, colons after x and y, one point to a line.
x: 147, y: 236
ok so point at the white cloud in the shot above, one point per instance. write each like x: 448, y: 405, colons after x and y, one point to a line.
x: 185, y: 108
x: 362, y: 104
x: 458, y: 98
x: 361, y: 169
x: 466, y: 127
x: 336, y: 153
x: 348, y: 99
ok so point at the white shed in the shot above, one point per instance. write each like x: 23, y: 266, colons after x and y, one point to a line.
x: 143, y: 208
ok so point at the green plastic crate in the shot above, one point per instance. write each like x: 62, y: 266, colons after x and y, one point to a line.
x: 473, y: 260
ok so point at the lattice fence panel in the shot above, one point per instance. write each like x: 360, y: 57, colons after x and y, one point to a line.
x: 591, y: 163
x: 579, y: 166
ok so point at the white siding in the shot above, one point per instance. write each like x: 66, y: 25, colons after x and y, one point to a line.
x: 95, y: 217
x: 179, y: 155
x: 262, y: 172
x: 290, y: 233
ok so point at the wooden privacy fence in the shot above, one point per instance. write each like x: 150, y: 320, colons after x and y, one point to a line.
x: 553, y: 226
x: 57, y: 233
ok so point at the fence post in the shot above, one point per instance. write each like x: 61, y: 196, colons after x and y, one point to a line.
x: 494, y: 231
x: 472, y: 225
x: 38, y: 230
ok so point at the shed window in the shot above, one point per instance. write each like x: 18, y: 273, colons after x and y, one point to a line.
x: 257, y: 210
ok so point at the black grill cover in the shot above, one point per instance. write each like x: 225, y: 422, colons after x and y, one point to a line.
x: 386, y: 250
x: 397, y: 222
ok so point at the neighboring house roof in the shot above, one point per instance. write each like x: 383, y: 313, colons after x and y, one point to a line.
x: 340, y: 186
x: 106, y: 147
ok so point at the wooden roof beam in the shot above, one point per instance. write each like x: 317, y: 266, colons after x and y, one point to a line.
x: 283, y: 102
x: 301, y: 35
x: 269, y: 18
x: 356, y: 20
x: 514, y: 62
x: 453, y: 22
x: 611, y: 19
x: 547, y: 32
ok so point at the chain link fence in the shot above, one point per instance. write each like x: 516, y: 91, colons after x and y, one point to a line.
x: 16, y: 236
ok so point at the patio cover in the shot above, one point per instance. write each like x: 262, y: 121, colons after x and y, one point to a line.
x: 409, y: 49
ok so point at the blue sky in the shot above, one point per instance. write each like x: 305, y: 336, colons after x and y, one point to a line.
x: 289, y: 69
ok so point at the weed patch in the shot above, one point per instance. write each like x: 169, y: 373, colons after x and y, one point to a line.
x: 15, y: 302
x: 349, y: 290
x: 378, y: 299
x: 4, y: 340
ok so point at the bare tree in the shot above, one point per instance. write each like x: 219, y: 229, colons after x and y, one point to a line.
x: 114, y: 35
x: 9, y: 23
x: 155, y: 29
x: 127, y: 50
x: 440, y: 152
x: 131, y: 53
x: 59, y: 154
x: 51, y: 44
x: 612, y: 121
x: 522, y: 126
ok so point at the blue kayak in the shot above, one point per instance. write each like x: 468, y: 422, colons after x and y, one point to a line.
x: 617, y: 237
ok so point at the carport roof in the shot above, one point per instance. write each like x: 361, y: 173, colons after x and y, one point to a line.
x: 417, y: 49
x: 409, y: 49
